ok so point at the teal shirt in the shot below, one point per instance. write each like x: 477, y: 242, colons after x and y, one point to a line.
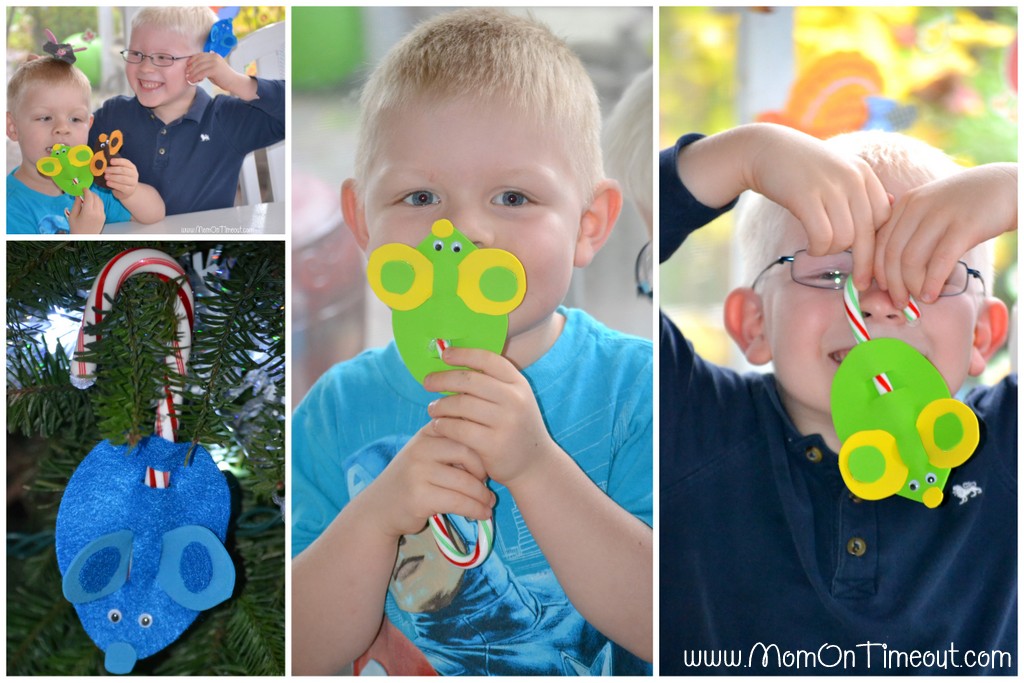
x: 34, y: 213
x: 594, y: 390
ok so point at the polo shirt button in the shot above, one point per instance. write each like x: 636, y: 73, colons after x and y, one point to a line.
x: 163, y: 151
x: 163, y: 132
x: 813, y: 454
x: 856, y: 546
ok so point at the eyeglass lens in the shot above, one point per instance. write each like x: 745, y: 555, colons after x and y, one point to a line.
x: 830, y: 272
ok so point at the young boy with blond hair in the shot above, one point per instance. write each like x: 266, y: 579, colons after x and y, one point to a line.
x: 48, y: 104
x: 775, y: 565
x: 488, y: 120
x: 187, y: 144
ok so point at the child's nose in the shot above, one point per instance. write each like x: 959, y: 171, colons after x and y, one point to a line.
x: 876, y: 303
x: 473, y: 225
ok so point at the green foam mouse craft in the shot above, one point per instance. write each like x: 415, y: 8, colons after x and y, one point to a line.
x: 902, y: 432
x: 75, y: 168
x: 445, y: 292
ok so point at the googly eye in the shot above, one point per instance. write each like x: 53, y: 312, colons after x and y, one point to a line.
x: 145, y: 620
x: 114, y: 616
x: 456, y: 247
x: 931, y: 478
x: 438, y: 245
x: 913, y: 485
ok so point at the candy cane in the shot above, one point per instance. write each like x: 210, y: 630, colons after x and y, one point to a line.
x: 445, y: 539
x: 854, y: 316
x: 104, y: 289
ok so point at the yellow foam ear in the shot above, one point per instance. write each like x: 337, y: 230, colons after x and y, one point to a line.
x: 955, y: 454
x: 472, y: 269
x: 873, y: 442
x: 49, y: 166
x: 80, y: 155
x: 422, y: 282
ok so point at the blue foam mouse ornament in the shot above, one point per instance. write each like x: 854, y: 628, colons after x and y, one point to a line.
x: 140, y: 543
x: 222, y: 38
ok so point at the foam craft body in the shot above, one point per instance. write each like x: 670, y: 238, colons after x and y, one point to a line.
x: 222, y: 39
x: 140, y: 561
x: 73, y: 169
x: 902, y: 432
x: 448, y: 290
x: 140, y: 534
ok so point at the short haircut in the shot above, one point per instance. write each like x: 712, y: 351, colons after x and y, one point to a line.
x: 629, y: 140
x: 490, y: 56
x: 45, y: 72
x: 193, y: 23
x: 893, y: 156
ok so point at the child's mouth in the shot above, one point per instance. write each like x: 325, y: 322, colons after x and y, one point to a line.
x: 149, y: 85
x: 839, y: 355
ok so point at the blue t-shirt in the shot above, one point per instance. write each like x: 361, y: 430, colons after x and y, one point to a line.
x: 194, y: 162
x: 34, y: 213
x: 594, y: 389
x: 769, y: 565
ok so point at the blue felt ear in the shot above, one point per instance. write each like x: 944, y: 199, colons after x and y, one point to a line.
x: 99, y: 569
x: 195, y: 569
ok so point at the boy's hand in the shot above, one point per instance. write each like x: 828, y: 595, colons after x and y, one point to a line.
x: 430, y: 475
x: 493, y: 412
x: 935, y: 224
x: 837, y: 198
x: 122, y: 177
x: 87, y: 216
x: 211, y: 65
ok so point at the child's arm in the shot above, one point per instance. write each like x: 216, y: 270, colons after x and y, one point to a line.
x: 87, y: 216
x: 934, y: 225
x: 837, y: 198
x: 142, y: 201
x: 601, y: 554
x: 211, y: 65
x: 340, y: 582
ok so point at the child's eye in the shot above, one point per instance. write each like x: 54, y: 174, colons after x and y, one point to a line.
x: 421, y: 198
x: 511, y: 198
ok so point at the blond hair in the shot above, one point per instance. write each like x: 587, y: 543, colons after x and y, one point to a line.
x: 487, y: 55
x: 193, y: 23
x: 629, y: 141
x: 48, y: 72
x: 892, y: 156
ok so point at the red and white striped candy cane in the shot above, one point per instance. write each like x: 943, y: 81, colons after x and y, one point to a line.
x: 854, y: 316
x: 104, y: 289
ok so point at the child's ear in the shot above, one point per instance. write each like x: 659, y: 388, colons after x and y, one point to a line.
x: 12, y: 127
x: 354, y: 213
x: 597, y: 221
x: 989, y: 333
x: 744, y: 321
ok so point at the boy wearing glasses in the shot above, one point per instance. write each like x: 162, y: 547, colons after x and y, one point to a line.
x: 187, y: 144
x: 774, y: 564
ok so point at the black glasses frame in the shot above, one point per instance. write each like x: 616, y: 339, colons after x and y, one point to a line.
x: 971, y: 272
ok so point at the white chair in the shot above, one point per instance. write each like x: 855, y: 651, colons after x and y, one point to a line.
x: 265, y: 47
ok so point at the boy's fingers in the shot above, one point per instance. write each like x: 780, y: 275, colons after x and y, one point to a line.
x: 465, y: 407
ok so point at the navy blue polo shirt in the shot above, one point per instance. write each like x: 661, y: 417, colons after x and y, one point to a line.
x: 769, y: 565
x: 194, y: 162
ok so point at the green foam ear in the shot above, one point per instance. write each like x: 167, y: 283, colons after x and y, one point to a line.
x: 904, y: 441
x: 446, y: 289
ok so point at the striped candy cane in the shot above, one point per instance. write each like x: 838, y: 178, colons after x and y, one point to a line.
x: 444, y: 536
x: 854, y: 316
x: 104, y: 289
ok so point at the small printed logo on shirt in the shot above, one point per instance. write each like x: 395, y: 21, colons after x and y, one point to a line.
x: 204, y: 137
x: 966, y: 491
